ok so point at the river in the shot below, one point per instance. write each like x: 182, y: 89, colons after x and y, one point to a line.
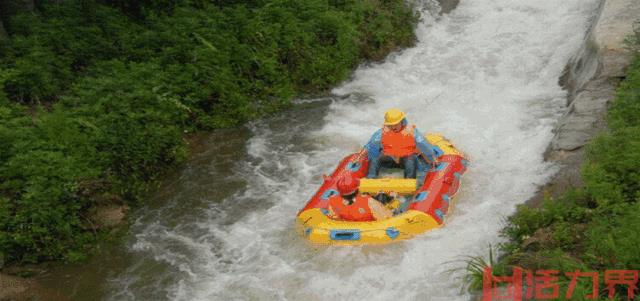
x: 221, y: 227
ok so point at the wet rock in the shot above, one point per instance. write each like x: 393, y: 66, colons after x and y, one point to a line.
x: 585, y: 118
x: 107, y: 216
x: 16, y: 288
x: 540, y: 239
x: 614, y: 26
x: 571, y: 140
x: 446, y: 6
x: 591, y: 89
x: 591, y: 78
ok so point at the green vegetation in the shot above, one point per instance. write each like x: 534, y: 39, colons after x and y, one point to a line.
x: 95, y: 96
x: 594, y: 228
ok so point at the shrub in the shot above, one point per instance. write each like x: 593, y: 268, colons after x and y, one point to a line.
x: 96, y: 95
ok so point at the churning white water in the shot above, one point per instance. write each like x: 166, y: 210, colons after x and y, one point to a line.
x: 485, y: 76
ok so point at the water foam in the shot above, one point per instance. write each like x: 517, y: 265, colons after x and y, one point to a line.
x: 486, y: 76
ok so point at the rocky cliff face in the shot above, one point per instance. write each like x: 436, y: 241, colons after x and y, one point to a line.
x: 591, y: 79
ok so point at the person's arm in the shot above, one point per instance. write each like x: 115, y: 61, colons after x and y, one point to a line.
x: 426, y: 149
x: 373, y: 147
x: 379, y: 211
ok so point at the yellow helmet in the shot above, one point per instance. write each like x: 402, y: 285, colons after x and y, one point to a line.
x: 393, y: 116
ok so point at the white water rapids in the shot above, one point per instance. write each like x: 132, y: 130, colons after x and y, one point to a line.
x: 485, y: 76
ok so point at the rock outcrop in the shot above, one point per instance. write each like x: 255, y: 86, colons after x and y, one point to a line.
x: 591, y: 79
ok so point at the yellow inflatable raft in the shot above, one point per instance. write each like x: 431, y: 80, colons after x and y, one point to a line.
x: 425, y: 207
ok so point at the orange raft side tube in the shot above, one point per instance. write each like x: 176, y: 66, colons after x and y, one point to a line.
x: 426, y: 211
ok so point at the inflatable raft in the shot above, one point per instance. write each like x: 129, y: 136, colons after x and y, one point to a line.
x: 426, y: 204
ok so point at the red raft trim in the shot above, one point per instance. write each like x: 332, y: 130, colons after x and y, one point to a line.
x: 439, y: 187
x: 432, y: 198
